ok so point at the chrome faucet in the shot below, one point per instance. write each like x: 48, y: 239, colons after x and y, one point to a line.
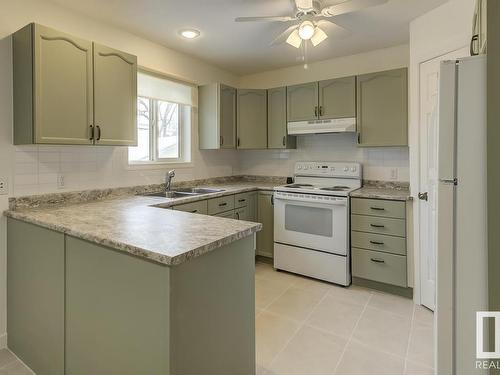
x: 168, y: 179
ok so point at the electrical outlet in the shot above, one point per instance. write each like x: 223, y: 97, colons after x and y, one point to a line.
x: 4, y: 187
x: 60, y: 181
x: 394, y: 173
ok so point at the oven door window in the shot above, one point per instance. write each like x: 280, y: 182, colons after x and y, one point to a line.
x: 316, y: 221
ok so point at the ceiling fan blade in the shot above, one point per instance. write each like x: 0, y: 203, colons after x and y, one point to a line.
x: 304, y: 5
x: 349, y: 7
x: 318, y: 36
x: 283, y: 36
x: 265, y: 19
x: 333, y: 30
x: 294, y: 39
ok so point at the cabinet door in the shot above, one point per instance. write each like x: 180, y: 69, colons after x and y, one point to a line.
x: 382, y: 108
x: 302, y: 102
x: 277, y: 136
x: 337, y: 98
x: 227, y: 117
x: 63, y: 87
x: 115, y: 90
x: 252, y: 119
x: 265, y: 238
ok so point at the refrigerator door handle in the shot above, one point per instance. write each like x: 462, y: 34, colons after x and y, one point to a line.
x: 453, y: 181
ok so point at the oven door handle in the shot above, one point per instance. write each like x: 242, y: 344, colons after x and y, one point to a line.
x: 338, y: 202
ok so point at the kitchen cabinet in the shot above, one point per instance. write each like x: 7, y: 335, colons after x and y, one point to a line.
x: 251, y: 119
x: 217, y: 116
x: 249, y: 202
x: 277, y: 135
x: 302, y: 102
x: 64, y: 85
x: 479, y: 29
x: 221, y: 204
x: 115, y: 97
x: 265, y: 216
x: 200, y: 207
x: 382, y: 108
x: 337, y: 98
x: 378, y: 244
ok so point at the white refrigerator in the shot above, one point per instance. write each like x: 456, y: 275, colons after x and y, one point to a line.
x: 462, y: 255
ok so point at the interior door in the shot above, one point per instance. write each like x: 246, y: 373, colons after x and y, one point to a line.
x: 63, y: 87
x: 115, y: 97
x: 428, y: 135
x: 227, y: 117
x: 302, y: 102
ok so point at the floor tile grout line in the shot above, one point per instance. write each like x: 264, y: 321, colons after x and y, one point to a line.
x: 352, y: 334
x: 299, y: 327
x: 409, y: 339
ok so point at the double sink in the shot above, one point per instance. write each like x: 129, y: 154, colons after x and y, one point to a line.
x: 183, y: 192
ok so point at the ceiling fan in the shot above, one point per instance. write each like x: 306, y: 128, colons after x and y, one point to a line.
x: 310, y: 19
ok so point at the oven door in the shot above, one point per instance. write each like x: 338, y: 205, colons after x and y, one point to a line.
x: 310, y: 221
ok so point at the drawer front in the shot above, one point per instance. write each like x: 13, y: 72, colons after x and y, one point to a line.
x: 199, y: 207
x: 241, y: 200
x: 221, y: 204
x: 380, y: 225
x: 378, y: 207
x: 227, y: 215
x: 379, y: 242
x: 378, y: 266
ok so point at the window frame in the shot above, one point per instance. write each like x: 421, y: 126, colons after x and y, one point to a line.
x: 154, y: 158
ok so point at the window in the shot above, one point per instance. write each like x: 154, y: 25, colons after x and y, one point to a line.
x: 163, y: 121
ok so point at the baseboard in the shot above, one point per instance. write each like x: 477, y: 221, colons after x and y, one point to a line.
x: 3, y: 340
x: 393, y: 289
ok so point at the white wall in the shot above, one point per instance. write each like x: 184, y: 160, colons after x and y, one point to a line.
x: 444, y: 29
x: 379, y: 163
x: 33, y: 169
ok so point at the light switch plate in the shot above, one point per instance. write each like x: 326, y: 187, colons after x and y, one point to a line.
x: 60, y: 181
x: 4, y: 186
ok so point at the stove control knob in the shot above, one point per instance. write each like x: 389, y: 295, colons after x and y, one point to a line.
x: 346, y: 169
x: 353, y: 169
x: 299, y: 167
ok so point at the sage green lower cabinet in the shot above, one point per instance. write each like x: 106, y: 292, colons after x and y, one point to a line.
x: 79, y: 308
x: 200, y: 207
x: 35, y: 296
x: 265, y: 238
x: 379, y: 244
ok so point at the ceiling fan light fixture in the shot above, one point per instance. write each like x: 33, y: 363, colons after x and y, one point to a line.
x: 190, y: 33
x: 318, y: 37
x: 306, y: 30
x: 294, y: 39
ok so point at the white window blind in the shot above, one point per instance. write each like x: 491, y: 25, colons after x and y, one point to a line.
x: 151, y: 86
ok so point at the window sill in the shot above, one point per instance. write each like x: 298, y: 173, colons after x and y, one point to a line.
x: 158, y: 165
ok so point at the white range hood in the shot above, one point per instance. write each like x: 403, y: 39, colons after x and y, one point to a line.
x: 339, y: 125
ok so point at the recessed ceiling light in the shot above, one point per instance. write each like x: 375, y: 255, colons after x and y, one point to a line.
x: 190, y: 33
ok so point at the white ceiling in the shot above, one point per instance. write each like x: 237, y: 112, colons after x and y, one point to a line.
x: 244, y: 48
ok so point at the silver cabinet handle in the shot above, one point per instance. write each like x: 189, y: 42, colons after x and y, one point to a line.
x: 376, y: 260
x: 98, y: 133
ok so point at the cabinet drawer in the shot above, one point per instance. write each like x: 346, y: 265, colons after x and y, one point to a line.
x: 241, y: 200
x: 199, y: 207
x: 379, y: 242
x: 227, y: 215
x: 378, y: 266
x: 378, y: 207
x: 381, y: 225
x: 222, y: 204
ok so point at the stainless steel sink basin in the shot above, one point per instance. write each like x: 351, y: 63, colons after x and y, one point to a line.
x: 182, y: 192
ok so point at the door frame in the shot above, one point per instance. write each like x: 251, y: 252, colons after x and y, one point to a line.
x: 416, y: 59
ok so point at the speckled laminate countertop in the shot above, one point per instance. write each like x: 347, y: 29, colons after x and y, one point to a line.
x: 142, y: 226
x: 373, y: 192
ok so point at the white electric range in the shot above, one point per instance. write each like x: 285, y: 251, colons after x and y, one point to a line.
x: 311, y: 220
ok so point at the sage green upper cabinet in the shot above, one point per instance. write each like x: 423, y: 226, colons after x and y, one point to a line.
x: 115, y: 97
x: 63, y: 85
x: 337, y: 98
x: 277, y: 136
x: 302, y: 102
x: 216, y: 116
x: 53, y: 99
x: 382, y: 108
x: 252, y: 119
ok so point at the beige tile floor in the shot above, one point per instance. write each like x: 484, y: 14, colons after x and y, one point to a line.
x: 306, y: 327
